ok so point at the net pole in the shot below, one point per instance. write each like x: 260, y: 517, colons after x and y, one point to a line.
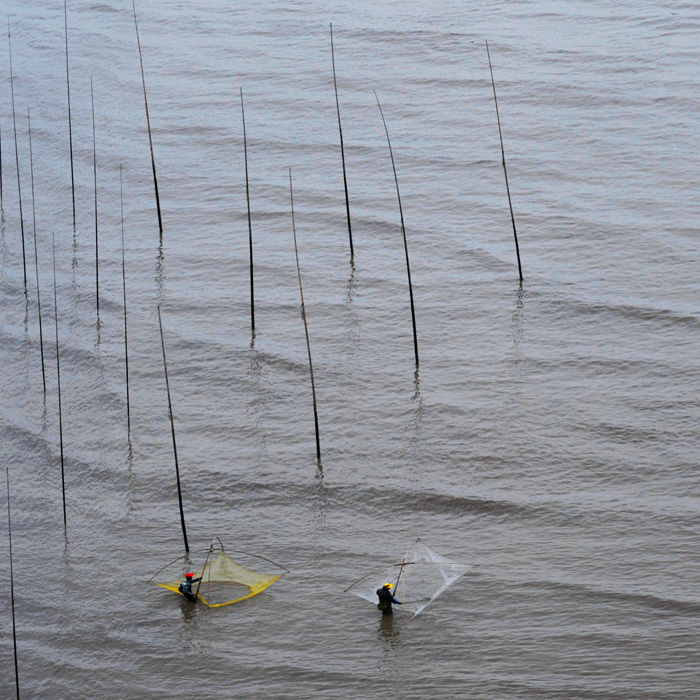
x: 19, y: 188
x: 403, y: 594
x: 12, y: 584
x: 342, y: 152
x: 403, y: 569
x: 250, y: 225
x: 126, y: 339
x: 58, y: 382
x: 97, y: 243
x: 398, y: 579
x: 199, y: 584
x: 36, y: 254
x: 70, y: 121
x: 306, y: 328
x: 172, y: 430
x: 403, y: 231
x: 505, y: 170
x: 148, y: 124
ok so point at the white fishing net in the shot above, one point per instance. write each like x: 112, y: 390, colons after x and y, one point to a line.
x: 418, y: 580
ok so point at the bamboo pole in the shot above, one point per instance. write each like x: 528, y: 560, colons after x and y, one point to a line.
x: 172, y: 430
x: 403, y: 588
x: 126, y: 341
x: 58, y: 378
x: 70, y: 121
x: 2, y: 209
x: 306, y: 327
x: 250, y: 225
x: 148, y: 123
x: 94, y: 172
x: 36, y: 255
x: 199, y: 583
x: 403, y: 231
x: 503, y: 158
x: 12, y: 584
x: 342, y: 151
x: 19, y: 187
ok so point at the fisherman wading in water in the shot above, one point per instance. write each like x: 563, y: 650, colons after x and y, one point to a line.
x: 186, y: 587
x: 386, y: 599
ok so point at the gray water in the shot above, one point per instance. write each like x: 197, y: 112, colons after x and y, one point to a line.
x: 551, y: 436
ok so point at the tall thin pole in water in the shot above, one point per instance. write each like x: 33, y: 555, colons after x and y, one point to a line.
x: 403, y: 231
x: 148, y: 123
x: 172, y: 430
x: 503, y: 157
x: 250, y: 225
x: 70, y: 120
x: 342, y: 150
x: 199, y: 585
x: 1, y: 206
x: 126, y: 341
x: 58, y: 377
x: 12, y: 582
x: 306, y: 327
x: 36, y: 255
x: 19, y: 187
x: 94, y: 172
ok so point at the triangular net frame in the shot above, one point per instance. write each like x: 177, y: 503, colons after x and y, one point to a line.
x: 418, y: 580
x: 225, y: 581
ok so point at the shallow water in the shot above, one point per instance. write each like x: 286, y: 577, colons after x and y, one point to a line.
x: 551, y: 437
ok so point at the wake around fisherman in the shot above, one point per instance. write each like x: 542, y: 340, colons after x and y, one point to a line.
x: 386, y: 599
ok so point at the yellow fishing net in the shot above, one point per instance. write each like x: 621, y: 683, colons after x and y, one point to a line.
x: 225, y: 581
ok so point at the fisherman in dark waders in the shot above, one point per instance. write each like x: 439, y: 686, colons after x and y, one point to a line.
x: 386, y: 599
x: 186, y: 587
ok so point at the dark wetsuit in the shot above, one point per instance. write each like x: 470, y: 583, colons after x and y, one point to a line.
x: 385, y: 601
x: 186, y: 589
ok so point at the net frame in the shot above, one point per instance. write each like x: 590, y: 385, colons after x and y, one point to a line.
x: 222, y: 569
x: 418, y: 561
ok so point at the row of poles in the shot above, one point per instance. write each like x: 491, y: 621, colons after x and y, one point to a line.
x: 160, y: 228
x: 55, y: 294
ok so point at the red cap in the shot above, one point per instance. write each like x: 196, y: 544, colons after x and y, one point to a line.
x: 189, y: 575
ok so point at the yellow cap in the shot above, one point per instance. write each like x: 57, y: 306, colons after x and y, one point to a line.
x: 388, y: 585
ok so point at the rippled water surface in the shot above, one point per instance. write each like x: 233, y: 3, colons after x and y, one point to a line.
x: 551, y: 436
